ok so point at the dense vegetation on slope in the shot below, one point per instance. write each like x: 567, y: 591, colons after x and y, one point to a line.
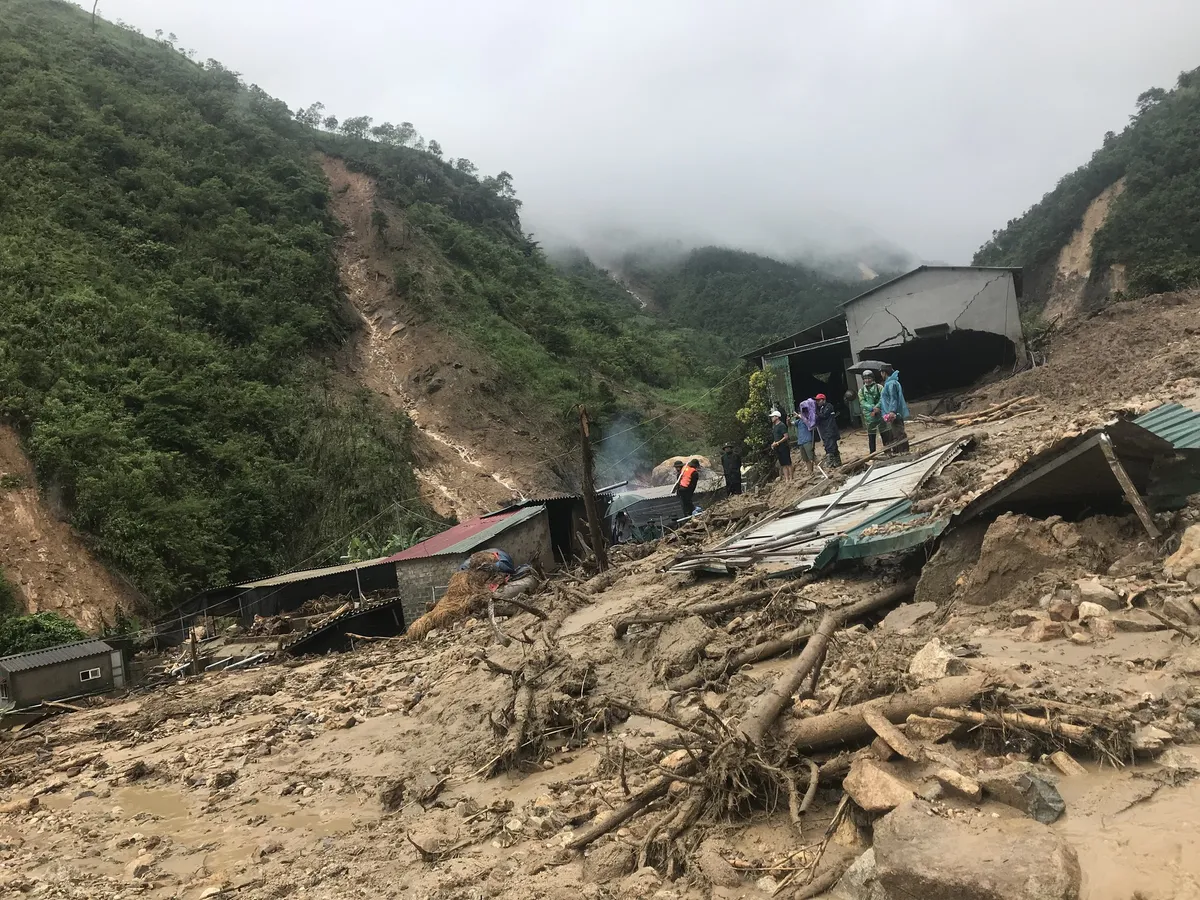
x: 168, y: 291
x: 1153, y: 227
x: 166, y: 285
x: 559, y: 334
x: 748, y: 299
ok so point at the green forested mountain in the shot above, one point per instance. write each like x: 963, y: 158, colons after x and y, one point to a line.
x: 1153, y: 227
x: 745, y: 298
x: 169, y: 301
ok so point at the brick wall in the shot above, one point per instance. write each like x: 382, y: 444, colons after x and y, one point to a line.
x: 528, y: 542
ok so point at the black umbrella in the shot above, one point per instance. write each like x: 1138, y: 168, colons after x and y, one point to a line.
x: 873, y: 364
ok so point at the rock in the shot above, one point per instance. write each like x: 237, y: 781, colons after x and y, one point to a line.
x: 1150, y: 739
x: 1101, y: 628
x: 1187, y: 557
x: 1062, y: 610
x: 23, y: 805
x: 921, y: 854
x: 905, y: 617
x: 680, y: 645
x: 714, y: 866
x: 933, y: 661
x: 1089, y: 590
x: 1021, y: 786
x: 883, y: 750
x: 642, y: 883
x: 1179, y: 759
x: 767, y: 885
x: 1136, y: 620
x: 139, y: 867
x: 1193, y: 577
x: 1089, y: 610
x: 608, y: 861
x: 931, y: 790
x: 1022, y: 617
x: 1082, y: 637
x: 861, y: 881
x: 1042, y: 630
x: 1181, y: 609
x: 874, y: 788
x: 923, y: 728
x: 959, y: 784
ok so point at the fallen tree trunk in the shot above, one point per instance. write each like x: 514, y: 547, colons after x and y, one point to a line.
x: 845, y: 725
x: 768, y: 706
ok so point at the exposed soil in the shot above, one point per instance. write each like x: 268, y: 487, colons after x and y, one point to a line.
x: 472, y: 456
x: 1074, y: 263
x: 44, y: 558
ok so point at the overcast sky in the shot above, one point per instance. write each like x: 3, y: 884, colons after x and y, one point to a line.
x: 777, y: 126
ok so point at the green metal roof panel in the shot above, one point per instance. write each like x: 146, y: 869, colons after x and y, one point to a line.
x: 1175, y: 423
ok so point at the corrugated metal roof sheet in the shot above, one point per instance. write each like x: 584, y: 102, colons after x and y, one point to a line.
x: 808, y: 538
x: 465, y: 536
x: 35, y: 659
x: 1175, y: 423
x: 646, y: 504
x: 305, y: 574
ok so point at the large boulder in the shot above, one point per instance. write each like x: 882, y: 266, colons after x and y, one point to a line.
x: 974, y: 857
x: 1187, y: 557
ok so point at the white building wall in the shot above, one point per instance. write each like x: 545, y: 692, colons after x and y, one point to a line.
x: 973, y: 299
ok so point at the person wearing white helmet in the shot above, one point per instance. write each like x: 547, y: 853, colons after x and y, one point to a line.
x: 781, y: 444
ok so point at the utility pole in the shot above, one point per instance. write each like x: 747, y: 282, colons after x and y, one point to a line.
x: 589, y: 493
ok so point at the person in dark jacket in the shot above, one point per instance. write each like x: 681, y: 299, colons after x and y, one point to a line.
x: 781, y: 444
x: 827, y: 428
x: 685, y: 487
x: 731, y: 465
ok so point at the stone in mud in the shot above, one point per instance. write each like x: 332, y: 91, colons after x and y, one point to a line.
x: 860, y: 881
x: 874, y: 788
x: 139, y: 867
x: 1062, y: 610
x: 1089, y: 590
x: 1181, y: 609
x: 1022, y: 617
x: 1101, y: 628
x: 715, y: 867
x: 1193, y: 577
x: 1150, y: 739
x: 680, y: 644
x: 923, y: 728
x: 1042, y: 630
x: 1022, y: 786
x: 609, y: 861
x: 921, y: 854
x: 1187, y: 557
x: 1089, y: 610
x: 905, y: 617
x: 1135, y: 620
x: 933, y: 661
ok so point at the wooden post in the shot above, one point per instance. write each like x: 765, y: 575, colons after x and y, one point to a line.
x: 195, y: 667
x: 589, y: 493
x: 1128, y: 488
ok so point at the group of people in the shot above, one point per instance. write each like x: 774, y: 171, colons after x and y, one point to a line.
x: 884, y: 412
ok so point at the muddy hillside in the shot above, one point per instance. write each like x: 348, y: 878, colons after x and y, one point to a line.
x: 990, y: 692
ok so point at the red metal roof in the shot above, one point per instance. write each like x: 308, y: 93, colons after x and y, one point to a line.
x: 451, y: 536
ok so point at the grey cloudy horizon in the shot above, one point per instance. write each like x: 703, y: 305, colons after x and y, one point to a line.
x: 788, y: 128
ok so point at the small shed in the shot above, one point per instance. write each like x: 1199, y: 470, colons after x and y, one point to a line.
x: 424, y: 569
x: 57, y: 673
x: 654, y: 510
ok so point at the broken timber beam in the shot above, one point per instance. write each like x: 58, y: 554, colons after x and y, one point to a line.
x: 1127, y: 486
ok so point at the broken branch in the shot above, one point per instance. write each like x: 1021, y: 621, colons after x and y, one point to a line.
x: 1077, y: 733
x: 891, y: 735
x: 700, y: 609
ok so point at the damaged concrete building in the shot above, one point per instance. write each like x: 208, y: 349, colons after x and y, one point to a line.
x: 941, y: 326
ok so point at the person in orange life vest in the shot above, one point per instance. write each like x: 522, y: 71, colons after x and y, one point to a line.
x: 685, y: 487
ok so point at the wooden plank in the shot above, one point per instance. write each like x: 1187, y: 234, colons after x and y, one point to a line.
x: 1127, y: 486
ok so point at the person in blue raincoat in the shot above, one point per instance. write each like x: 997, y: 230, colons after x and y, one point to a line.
x: 827, y: 428
x: 895, y: 411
